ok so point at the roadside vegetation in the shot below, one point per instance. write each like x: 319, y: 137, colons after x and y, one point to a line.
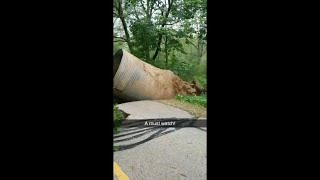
x: 118, y: 117
x: 195, y: 105
x: 195, y: 100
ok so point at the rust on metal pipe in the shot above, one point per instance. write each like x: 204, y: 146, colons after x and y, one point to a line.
x: 133, y: 79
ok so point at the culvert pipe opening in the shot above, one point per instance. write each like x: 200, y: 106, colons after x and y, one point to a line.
x: 134, y: 80
x: 116, y: 61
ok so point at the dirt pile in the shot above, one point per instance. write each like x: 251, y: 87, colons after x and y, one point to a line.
x: 184, y: 88
x: 172, y: 83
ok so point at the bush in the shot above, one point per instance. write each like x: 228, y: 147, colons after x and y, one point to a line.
x: 117, y: 119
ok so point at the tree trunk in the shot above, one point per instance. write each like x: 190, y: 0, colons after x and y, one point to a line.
x: 199, y: 51
x: 148, y: 54
x: 166, y: 50
x: 124, y: 24
x: 163, y: 24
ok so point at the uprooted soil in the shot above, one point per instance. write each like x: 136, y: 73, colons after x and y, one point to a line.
x: 173, y: 84
x: 184, y: 88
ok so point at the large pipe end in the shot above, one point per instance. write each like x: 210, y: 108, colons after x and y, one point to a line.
x: 116, y: 61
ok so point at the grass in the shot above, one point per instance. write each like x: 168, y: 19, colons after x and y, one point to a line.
x: 195, y: 100
x: 195, y: 105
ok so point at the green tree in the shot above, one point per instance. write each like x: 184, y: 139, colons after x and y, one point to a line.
x: 169, y: 34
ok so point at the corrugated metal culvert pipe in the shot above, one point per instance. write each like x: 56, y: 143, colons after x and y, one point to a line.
x: 134, y: 79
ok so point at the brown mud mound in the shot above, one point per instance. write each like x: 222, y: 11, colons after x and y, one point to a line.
x: 184, y: 88
x: 171, y: 82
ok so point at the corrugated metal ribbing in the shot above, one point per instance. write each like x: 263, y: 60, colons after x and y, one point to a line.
x: 137, y: 80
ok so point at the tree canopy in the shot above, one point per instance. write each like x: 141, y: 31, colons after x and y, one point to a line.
x: 169, y: 34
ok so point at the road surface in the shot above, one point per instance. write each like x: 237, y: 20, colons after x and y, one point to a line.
x: 160, y: 153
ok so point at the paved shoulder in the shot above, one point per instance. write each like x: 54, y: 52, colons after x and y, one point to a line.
x: 152, y: 110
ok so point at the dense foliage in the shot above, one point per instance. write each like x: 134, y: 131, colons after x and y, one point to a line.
x: 169, y: 34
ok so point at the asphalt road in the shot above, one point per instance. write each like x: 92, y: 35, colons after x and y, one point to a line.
x: 160, y: 153
x: 180, y: 154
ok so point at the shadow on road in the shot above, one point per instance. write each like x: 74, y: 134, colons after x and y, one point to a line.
x: 134, y: 133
